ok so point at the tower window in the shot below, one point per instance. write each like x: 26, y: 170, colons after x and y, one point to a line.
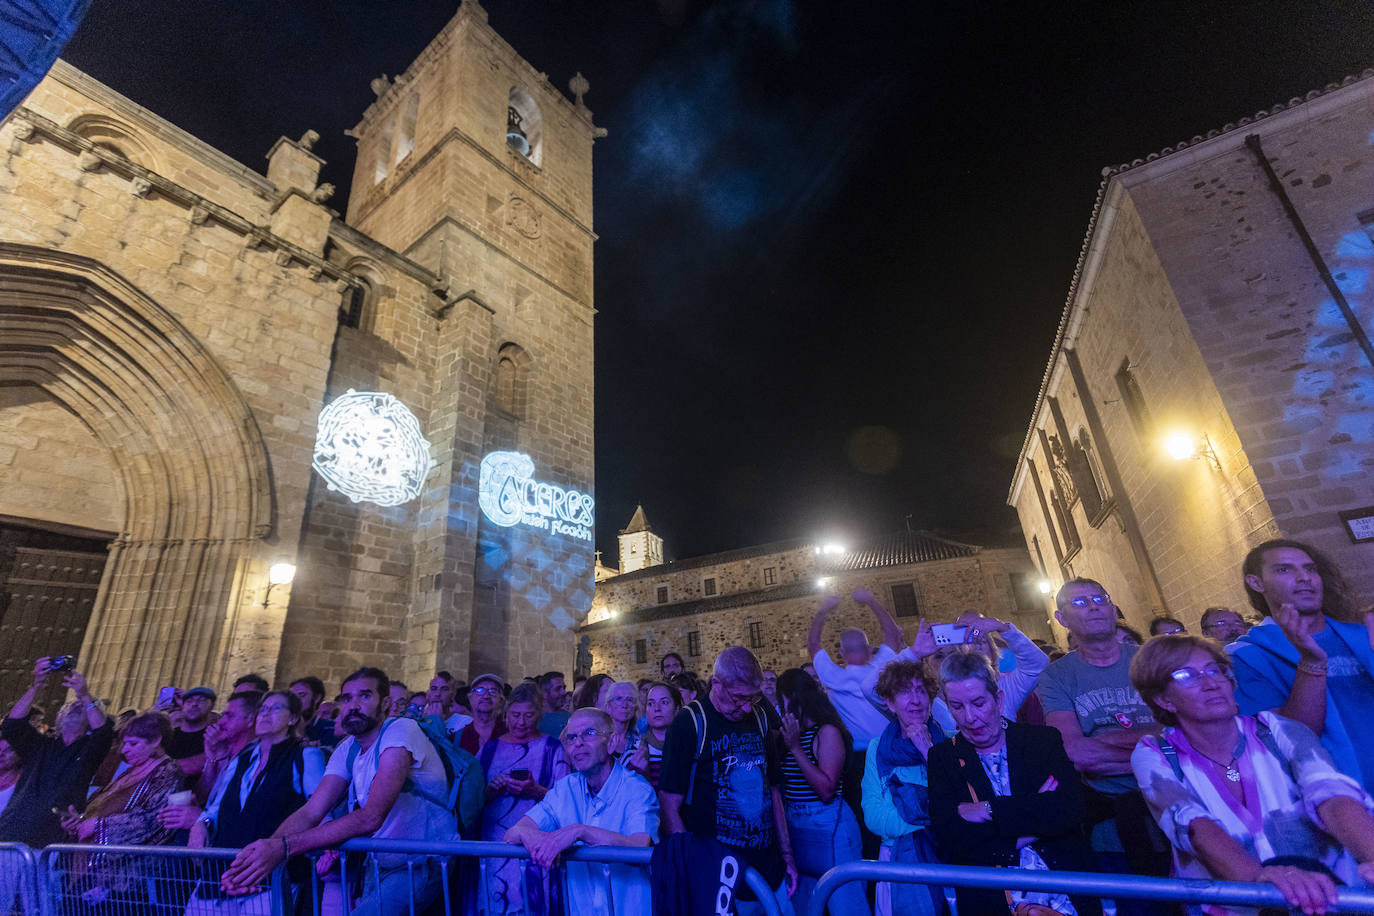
x: 708, y: 586
x: 405, y: 143
x: 524, y: 126
x: 382, y: 154
x: 1133, y: 398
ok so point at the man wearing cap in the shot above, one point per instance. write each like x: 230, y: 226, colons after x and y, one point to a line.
x: 187, y: 746
x: 485, y: 698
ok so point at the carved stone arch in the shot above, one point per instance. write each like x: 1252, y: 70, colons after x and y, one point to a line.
x: 511, y: 380
x: 118, y: 135
x: 361, y: 302
x: 191, y: 460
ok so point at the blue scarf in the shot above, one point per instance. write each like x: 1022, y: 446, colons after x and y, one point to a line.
x: 897, y: 750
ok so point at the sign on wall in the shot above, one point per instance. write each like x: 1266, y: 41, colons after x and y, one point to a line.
x: 509, y: 495
x: 369, y: 447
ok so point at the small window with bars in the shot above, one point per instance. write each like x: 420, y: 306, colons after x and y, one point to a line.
x: 756, y: 634
x: 694, y: 643
x: 641, y: 651
x: 904, y: 600
x: 708, y: 586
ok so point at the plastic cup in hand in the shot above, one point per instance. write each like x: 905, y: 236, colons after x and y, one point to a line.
x: 180, y: 798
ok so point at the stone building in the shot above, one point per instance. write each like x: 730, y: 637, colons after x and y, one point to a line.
x: 172, y: 324
x: 765, y: 597
x: 1220, y: 311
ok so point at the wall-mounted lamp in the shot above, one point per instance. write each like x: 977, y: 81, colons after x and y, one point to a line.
x: 1045, y: 587
x: 279, y: 574
x: 1182, y: 446
x: 823, y: 582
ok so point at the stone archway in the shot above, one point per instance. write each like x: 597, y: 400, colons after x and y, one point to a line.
x: 188, y: 451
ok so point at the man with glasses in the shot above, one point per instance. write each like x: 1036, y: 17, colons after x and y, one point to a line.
x: 1088, y: 696
x: 721, y: 777
x: 1223, y: 624
x: 599, y: 804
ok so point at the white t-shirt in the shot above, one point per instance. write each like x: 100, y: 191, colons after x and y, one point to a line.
x: 864, y: 720
x: 412, y: 817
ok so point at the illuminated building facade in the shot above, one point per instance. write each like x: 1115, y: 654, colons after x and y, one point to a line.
x: 1212, y: 383
x: 765, y: 597
x: 173, y: 324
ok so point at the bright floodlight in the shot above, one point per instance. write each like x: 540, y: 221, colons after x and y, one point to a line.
x: 1045, y: 587
x: 832, y: 549
x: 281, y: 573
x: 1180, y: 446
x: 822, y: 583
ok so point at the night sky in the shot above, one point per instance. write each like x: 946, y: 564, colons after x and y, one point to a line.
x: 835, y: 238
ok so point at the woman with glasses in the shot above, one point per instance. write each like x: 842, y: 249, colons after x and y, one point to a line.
x: 1244, y: 798
x: 896, y: 798
x: 485, y: 699
x: 620, y: 706
x: 520, y: 765
x: 257, y: 790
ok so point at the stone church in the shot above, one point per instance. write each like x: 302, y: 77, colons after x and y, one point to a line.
x: 173, y: 324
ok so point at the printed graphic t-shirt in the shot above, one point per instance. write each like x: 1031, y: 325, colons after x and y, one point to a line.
x: 1102, y: 698
x: 732, y: 799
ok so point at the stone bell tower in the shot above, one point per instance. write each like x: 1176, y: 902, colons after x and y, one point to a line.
x: 475, y: 167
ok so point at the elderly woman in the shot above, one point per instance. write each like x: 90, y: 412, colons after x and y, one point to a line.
x: 520, y: 765
x: 1003, y: 794
x: 124, y: 813
x: 620, y: 706
x: 1244, y: 798
x: 895, y: 797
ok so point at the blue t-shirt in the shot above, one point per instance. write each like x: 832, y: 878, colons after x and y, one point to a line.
x: 1350, y: 688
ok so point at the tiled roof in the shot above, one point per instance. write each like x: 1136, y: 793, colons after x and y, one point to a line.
x: 637, y: 522
x: 902, y: 548
x: 706, y: 605
x: 711, y: 559
x: 1107, y: 174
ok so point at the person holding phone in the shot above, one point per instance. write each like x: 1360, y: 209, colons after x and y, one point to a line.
x: 57, y: 768
x: 520, y: 765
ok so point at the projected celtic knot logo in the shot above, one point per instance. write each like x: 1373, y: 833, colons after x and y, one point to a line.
x: 369, y: 448
x: 498, y: 491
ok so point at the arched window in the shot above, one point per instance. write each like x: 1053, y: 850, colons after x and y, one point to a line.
x: 115, y: 136
x: 524, y: 126
x: 359, y: 306
x: 405, y: 143
x: 511, y: 385
x: 381, y: 155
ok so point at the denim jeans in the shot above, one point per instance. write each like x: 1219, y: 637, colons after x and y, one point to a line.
x: 389, y: 891
x: 825, y: 834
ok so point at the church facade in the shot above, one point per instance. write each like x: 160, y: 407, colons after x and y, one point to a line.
x: 173, y: 325
x: 1210, y: 386
x: 764, y: 597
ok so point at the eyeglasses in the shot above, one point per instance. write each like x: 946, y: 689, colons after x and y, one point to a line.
x: 1085, y: 600
x: 743, y: 700
x: 621, y: 700
x: 483, y: 691
x: 1191, y: 678
x: 585, y: 736
x: 274, y: 708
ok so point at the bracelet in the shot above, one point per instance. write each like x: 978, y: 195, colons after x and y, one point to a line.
x: 1313, y: 669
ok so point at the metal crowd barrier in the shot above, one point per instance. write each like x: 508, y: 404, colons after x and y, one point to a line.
x: 18, y: 879
x: 81, y: 879
x: 1131, y: 887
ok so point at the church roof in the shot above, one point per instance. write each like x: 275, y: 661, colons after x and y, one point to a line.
x: 637, y: 523
x: 902, y: 548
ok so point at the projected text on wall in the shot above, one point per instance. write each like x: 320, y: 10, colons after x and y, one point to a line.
x: 509, y: 495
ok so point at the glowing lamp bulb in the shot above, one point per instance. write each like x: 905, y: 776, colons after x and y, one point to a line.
x: 1180, y: 446
x: 1045, y: 587
x: 281, y: 573
x: 822, y: 583
x: 832, y: 549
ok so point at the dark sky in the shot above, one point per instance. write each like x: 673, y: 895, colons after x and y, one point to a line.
x: 835, y: 238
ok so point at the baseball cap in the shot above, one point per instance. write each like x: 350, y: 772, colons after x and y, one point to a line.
x: 199, y: 692
x: 486, y: 677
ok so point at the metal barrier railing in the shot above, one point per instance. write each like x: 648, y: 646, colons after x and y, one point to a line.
x: 486, y: 851
x: 80, y: 879
x: 1130, y: 887
x: 18, y: 879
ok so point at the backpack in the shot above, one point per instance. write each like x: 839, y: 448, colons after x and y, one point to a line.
x: 698, y: 714
x: 467, y: 785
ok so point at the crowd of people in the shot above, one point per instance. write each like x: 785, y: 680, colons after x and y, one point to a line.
x: 1236, y: 754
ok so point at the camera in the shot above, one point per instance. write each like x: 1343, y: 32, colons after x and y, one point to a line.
x: 61, y: 663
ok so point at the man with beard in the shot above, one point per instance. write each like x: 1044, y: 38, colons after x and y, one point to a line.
x: 394, y: 781
x: 555, y: 691
x: 601, y: 804
x: 187, y: 746
x: 318, y: 729
x: 1310, y: 660
x: 57, y: 768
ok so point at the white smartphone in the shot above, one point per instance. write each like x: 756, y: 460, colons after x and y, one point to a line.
x: 948, y: 634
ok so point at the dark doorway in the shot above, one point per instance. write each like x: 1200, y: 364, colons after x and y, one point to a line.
x: 48, y: 582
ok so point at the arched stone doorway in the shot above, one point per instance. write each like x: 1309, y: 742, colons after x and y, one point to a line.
x: 189, y: 457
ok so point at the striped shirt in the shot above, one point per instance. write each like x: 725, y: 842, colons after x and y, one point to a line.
x: 795, y: 788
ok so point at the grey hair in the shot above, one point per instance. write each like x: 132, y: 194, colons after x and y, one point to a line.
x: 965, y: 663
x: 737, y: 665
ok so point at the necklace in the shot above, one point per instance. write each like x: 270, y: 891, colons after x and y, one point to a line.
x: 1232, y: 774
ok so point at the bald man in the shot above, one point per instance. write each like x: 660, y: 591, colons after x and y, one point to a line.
x: 845, y: 683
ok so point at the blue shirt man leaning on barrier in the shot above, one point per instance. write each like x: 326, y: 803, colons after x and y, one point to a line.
x: 601, y: 804
x: 392, y: 777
